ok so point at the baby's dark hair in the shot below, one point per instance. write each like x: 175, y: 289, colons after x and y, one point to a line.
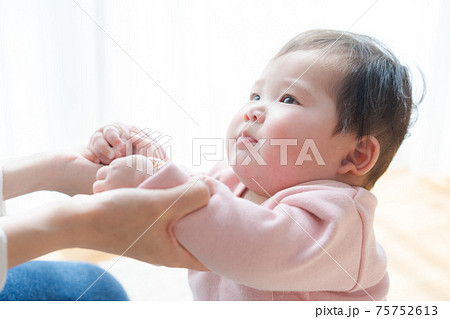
x: 374, y: 95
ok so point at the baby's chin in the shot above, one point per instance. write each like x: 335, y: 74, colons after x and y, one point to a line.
x: 258, y: 180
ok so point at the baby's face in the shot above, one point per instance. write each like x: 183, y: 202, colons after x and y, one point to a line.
x: 302, y: 117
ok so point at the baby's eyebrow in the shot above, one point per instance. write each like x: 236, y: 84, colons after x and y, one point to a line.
x: 294, y: 84
x: 306, y: 92
x: 298, y: 85
x: 259, y: 83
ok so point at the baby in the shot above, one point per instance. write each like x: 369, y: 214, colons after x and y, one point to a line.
x: 285, y: 221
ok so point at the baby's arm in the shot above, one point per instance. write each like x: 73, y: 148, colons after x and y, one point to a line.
x: 285, y: 248
x: 126, y: 172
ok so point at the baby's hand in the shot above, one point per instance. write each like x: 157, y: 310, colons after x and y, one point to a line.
x: 109, y: 142
x: 126, y: 172
x: 113, y: 141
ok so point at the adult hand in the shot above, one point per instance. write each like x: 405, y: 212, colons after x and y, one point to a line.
x: 137, y: 222
x: 77, y: 171
x: 69, y: 172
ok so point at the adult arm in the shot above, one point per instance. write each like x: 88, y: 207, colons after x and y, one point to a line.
x: 68, y: 172
x: 133, y: 222
x: 64, y: 171
x: 31, y: 236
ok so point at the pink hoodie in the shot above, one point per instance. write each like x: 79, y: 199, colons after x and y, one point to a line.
x: 313, y: 241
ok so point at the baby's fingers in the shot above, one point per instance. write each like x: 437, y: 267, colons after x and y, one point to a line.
x: 89, y: 155
x: 114, y: 138
x: 101, y: 149
x: 144, y: 145
x: 102, y: 173
x: 98, y: 187
x: 112, y: 135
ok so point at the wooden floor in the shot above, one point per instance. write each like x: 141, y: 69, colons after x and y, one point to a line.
x: 412, y: 224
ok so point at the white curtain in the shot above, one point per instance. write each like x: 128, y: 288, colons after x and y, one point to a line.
x: 184, y: 67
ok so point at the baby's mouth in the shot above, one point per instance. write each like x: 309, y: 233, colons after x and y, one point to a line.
x: 245, y: 137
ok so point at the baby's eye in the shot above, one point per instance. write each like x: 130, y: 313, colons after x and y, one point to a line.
x: 255, y: 97
x: 289, y: 100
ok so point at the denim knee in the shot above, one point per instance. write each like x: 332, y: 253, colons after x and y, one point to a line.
x: 61, y: 280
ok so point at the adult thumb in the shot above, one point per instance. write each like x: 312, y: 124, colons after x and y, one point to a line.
x: 187, y: 198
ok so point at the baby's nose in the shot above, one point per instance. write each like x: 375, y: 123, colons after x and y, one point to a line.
x: 255, y: 114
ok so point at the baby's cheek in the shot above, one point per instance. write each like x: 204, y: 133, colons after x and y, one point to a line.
x: 277, y: 153
x: 281, y: 170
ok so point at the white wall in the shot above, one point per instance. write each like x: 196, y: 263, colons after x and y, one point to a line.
x: 62, y: 76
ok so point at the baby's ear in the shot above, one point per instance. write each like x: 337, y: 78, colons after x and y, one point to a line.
x: 362, y: 157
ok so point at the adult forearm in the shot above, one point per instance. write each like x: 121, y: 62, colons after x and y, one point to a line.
x: 134, y: 222
x: 27, y: 174
x: 34, y: 235
x: 68, y: 172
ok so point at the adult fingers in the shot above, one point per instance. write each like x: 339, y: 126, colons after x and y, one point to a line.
x: 157, y: 163
x: 184, y: 199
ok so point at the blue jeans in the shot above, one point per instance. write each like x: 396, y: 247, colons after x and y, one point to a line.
x: 60, y: 280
